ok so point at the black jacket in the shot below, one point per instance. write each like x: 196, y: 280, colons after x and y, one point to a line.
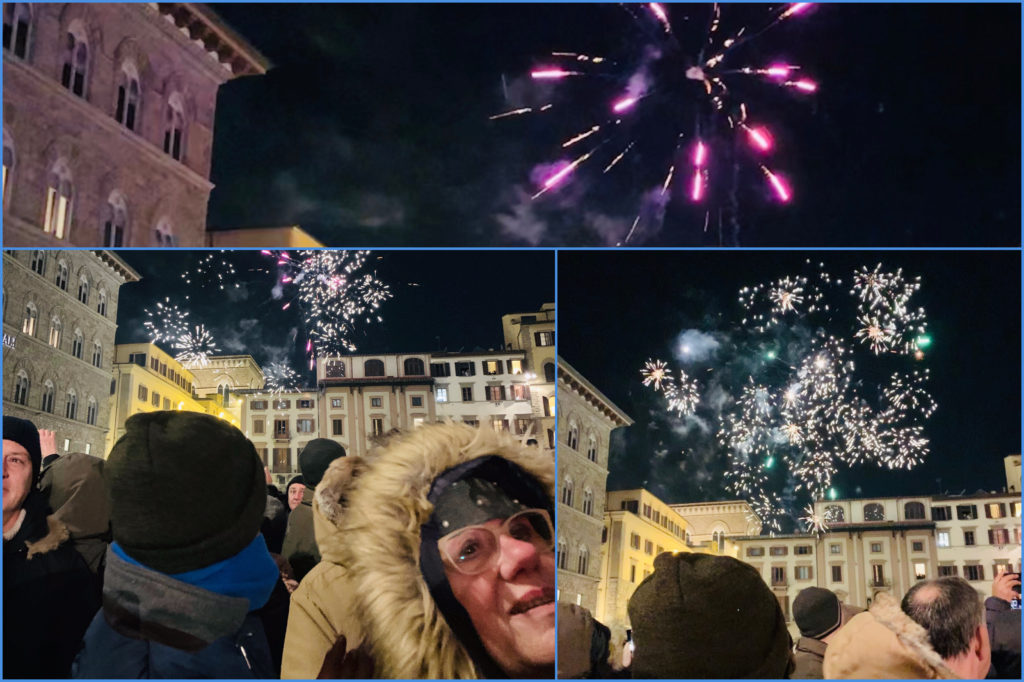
x: 49, y: 597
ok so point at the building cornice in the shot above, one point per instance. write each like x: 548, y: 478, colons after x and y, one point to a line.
x: 233, y: 53
x: 574, y: 381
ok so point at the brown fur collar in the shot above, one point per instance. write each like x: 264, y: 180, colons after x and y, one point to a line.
x: 56, y: 534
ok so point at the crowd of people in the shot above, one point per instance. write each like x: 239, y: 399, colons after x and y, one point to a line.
x: 431, y: 557
x: 699, y: 616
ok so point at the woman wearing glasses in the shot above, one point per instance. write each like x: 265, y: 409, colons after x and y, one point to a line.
x: 438, y: 556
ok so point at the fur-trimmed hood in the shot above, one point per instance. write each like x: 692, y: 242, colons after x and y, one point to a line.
x: 883, y: 643
x: 56, y: 534
x: 368, y: 515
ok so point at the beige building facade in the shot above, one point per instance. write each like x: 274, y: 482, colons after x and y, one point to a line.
x: 637, y: 527
x: 280, y: 425
x: 108, y: 121
x: 59, y: 319
x: 587, y: 419
x: 534, y: 333
x: 487, y: 389
x: 147, y: 379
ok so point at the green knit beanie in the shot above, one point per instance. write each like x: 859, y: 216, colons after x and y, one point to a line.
x: 703, y: 616
x: 186, y: 490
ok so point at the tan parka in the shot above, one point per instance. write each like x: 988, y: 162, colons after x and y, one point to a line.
x: 368, y: 586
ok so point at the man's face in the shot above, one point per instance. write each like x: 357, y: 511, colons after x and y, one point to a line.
x: 512, y: 606
x: 17, y: 476
x: 295, y: 491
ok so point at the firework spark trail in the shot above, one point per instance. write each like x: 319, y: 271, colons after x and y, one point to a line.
x: 807, y: 412
x: 718, y: 105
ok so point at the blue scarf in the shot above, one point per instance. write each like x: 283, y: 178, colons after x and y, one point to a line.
x: 251, y: 574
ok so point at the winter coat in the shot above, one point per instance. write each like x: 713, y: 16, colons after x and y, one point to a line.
x: 808, y: 655
x: 1004, y: 635
x: 299, y: 546
x: 73, y: 484
x: 376, y: 589
x: 274, y: 524
x: 883, y: 642
x: 49, y: 597
x: 315, y: 622
x: 152, y: 626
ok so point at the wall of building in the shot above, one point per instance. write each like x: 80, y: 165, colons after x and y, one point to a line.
x: 47, y: 124
x: 534, y: 333
x: 31, y: 279
x: 463, y: 382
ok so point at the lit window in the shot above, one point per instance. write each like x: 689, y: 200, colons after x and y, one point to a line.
x: 515, y: 366
x: 942, y: 538
x: 55, y: 333
x: 492, y: 367
x: 8, y: 159
x: 441, y: 394
x: 28, y: 325
x: 59, y: 198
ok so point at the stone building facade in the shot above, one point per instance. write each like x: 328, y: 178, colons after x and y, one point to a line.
x: 534, y: 333
x: 108, y: 121
x: 586, y: 419
x: 59, y: 318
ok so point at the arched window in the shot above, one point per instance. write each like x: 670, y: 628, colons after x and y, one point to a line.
x: 59, y: 200
x: 127, y: 108
x: 413, y: 367
x: 335, y: 369
x: 164, y: 233
x: 913, y: 510
x: 46, y: 404
x: 588, y: 502
x: 97, y: 354
x: 28, y: 325
x: 91, y: 411
x: 38, y: 263
x: 583, y: 563
x: 76, y: 61
x: 718, y: 539
x: 224, y: 391
x: 573, y: 440
x: 567, y: 491
x: 17, y: 19
x: 8, y: 157
x: 21, y: 386
x: 77, y: 342
x: 591, y: 448
x: 561, y: 554
x: 874, y: 512
x: 373, y: 368
x: 834, y: 514
x: 174, y: 126
x: 55, y: 332
x: 83, y: 289
x: 61, y: 280
x: 71, y: 405
x: 101, y: 302
x: 115, y: 223
x: 549, y: 372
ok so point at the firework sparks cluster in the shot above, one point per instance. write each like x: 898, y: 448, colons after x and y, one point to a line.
x: 335, y: 295
x: 805, y: 409
x: 698, y: 88
x: 330, y: 288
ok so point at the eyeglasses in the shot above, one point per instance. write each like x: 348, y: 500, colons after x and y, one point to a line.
x: 474, y: 549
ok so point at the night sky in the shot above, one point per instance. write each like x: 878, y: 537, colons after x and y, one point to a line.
x: 373, y: 130
x: 442, y: 301
x: 617, y: 310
